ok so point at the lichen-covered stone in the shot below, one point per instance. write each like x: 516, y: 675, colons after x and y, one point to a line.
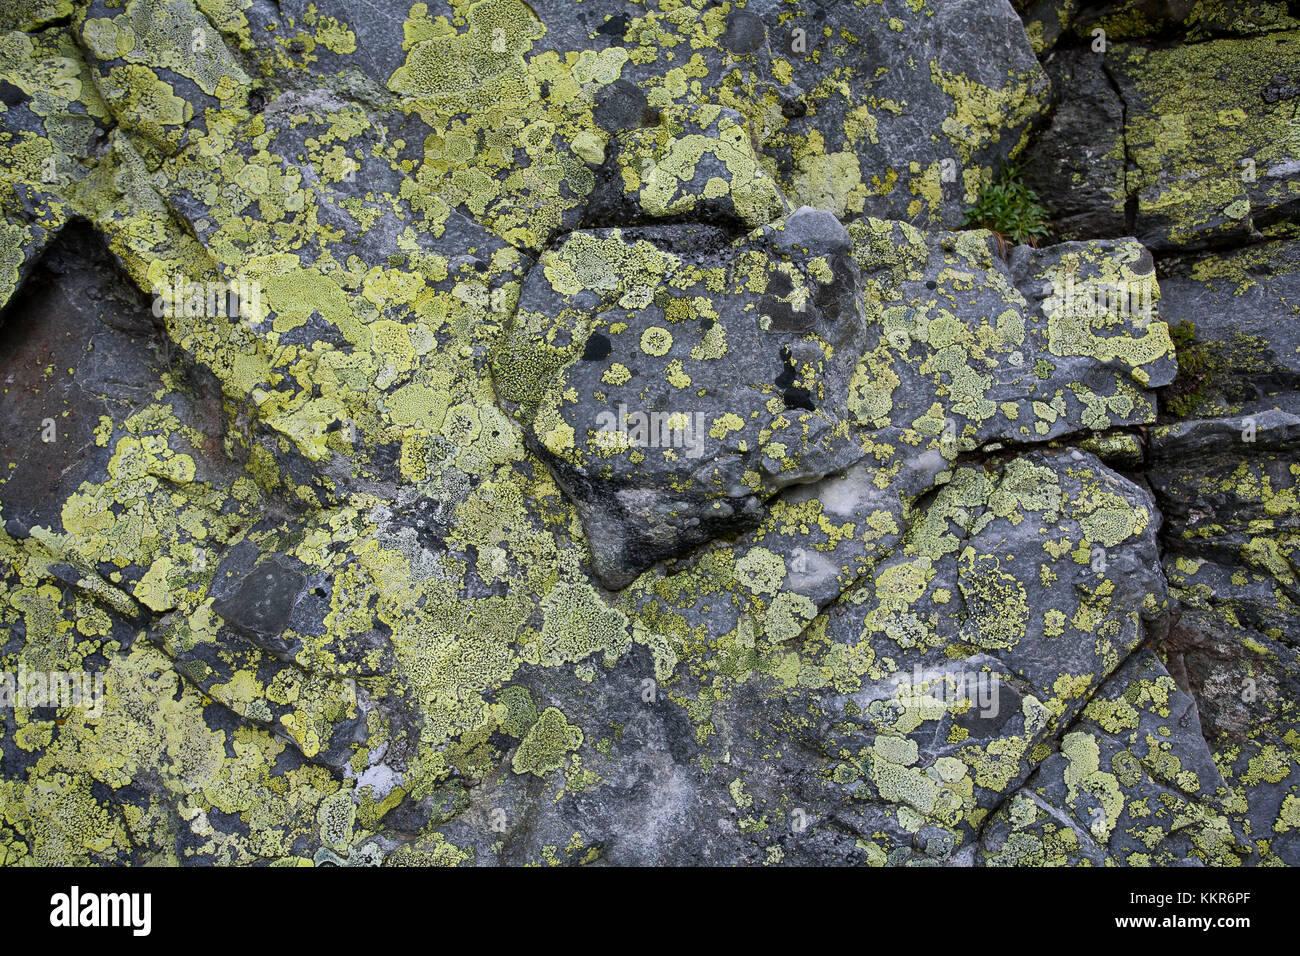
x: 380, y: 563
x: 1234, y: 314
x: 677, y: 392
x: 1133, y: 783
x: 1210, y: 138
x: 1191, y: 22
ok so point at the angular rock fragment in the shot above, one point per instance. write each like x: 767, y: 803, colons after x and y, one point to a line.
x: 974, y: 349
x: 1209, y: 137
x: 1230, y: 556
x: 262, y: 602
x: 1077, y: 164
x: 953, y: 636
x: 1046, y: 22
x: 1265, y: 771
x: 1133, y: 784
x: 1138, y: 19
x: 681, y: 390
x: 1226, y: 484
x: 1235, y: 317
x: 877, y: 125
x: 696, y: 164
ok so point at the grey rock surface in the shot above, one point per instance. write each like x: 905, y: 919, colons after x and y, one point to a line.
x: 503, y: 433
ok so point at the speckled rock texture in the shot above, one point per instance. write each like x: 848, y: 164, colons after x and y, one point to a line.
x: 583, y: 432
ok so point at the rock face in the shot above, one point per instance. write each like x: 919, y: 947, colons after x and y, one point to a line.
x: 690, y: 386
x: 1216, y: 162
x: 1078, y: 162
x: 1111, y: 794
x: 500, y: 433
x: 1198, y: 139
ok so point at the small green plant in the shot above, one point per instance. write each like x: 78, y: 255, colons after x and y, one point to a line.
x: 1009, y: 208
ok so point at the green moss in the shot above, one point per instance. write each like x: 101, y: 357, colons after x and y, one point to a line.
x: 1195, y: 364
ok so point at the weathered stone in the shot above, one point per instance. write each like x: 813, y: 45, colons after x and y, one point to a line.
x: 1235, y: 317
x: 1046, y: 21
x: 685, y: 389
x: 380, y: 566
x: 696, y: 164
x: 1191, y: 22
x: 1077, y: 164
x: 1134, y: 783
x: 1209, y: 138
